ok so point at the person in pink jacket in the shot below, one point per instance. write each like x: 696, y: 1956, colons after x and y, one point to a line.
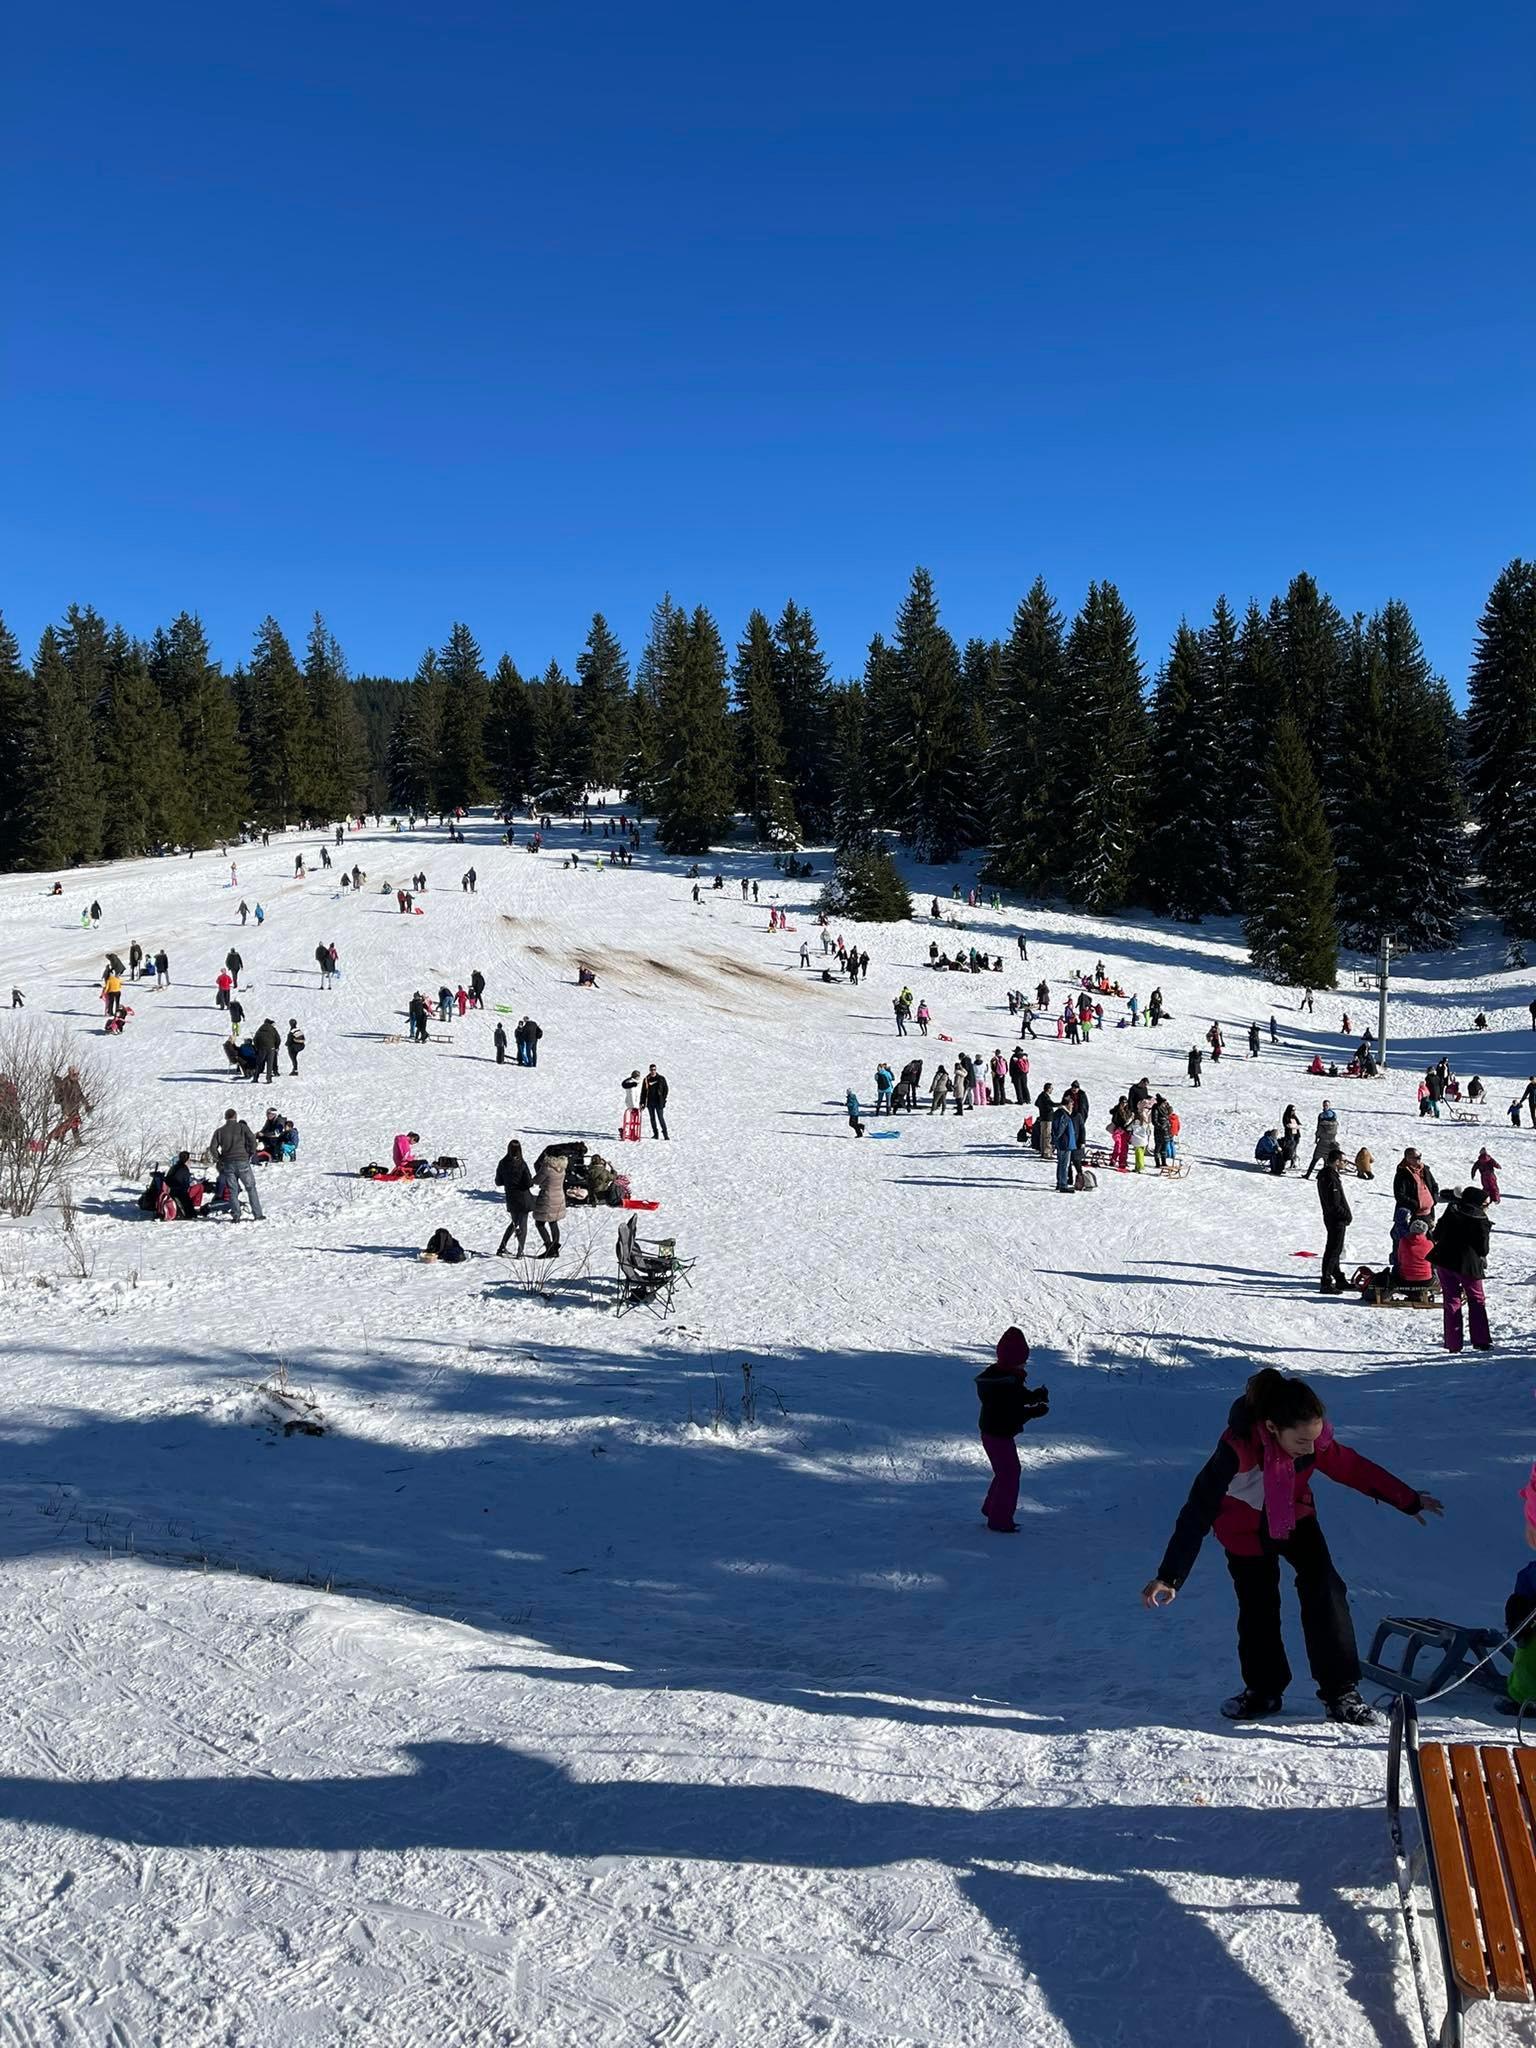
x: 1488, y: 1169
x: 1255, y: 1495
x: 405, y: 1151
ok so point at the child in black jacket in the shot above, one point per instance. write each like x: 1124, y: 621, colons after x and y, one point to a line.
x: 1007, y: 1403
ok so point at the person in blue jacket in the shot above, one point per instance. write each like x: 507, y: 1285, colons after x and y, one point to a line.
x: 853, y: 1115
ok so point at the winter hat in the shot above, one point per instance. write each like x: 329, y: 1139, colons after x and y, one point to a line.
x: 1013, y: 1350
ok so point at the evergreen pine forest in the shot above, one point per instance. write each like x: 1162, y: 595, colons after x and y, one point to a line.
x: 1302, y: 770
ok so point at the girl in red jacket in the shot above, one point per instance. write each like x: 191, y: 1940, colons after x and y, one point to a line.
x: 1256, y: 1494
x: 1487, y: 1169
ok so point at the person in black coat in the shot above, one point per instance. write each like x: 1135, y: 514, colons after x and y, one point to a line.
x: 178, y: 1184
x: 1461, y: 1240
x: 1337, y: 1217
x: 499, y: 1040
x: 1007, y: 1403
x: 516, y: 1183
x: 653, y: 1099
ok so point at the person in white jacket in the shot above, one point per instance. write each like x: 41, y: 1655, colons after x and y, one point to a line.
x: 630, y: 1128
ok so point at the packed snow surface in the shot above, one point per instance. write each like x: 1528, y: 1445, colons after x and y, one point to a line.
x: 548, y: 1698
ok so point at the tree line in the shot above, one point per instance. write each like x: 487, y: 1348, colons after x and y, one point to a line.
x: 1303, y: 769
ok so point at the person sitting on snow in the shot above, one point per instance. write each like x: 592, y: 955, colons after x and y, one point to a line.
x: 1267, y: 1150
x: 404, y: 1152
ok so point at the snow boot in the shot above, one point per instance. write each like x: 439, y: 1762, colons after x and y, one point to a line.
x: 1349, y: 1708
x: 1248, y: 1705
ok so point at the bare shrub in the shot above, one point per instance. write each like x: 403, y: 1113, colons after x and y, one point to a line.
x: 54, y: 1097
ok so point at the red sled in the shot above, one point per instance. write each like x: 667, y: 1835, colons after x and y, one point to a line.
x: 945, y: 1039
x: 631, y: 1203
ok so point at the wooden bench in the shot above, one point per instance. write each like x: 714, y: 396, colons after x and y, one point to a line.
x: 1477, y: 1824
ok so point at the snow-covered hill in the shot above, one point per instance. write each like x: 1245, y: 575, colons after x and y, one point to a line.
x: 542, y: 1699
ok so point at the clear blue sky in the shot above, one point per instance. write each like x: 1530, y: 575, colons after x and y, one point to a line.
x: 483, y: 311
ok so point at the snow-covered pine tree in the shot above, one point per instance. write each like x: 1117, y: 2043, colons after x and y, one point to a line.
x: 1108, y: 765
x: 762, y: 790
x: 1030, y: 825
x: 1501, y: 745
x: 1185, y: 852
x: 803, y: 684
x: 413, y: 743
x: 1290, y: 925
x: 864, y: 885
x: 695, y: 780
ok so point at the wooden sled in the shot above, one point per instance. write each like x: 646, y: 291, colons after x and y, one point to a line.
x: 1176, y: 1169
x: 1465, y: 1116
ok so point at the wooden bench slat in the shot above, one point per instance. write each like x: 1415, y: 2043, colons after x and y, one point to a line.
x: 1443, y: 1827
x: 1498, y: 1915
x: 1515, y: 1838
x: 1525, y: 1763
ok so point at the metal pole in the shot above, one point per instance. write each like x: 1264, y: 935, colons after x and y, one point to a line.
x: 1381, y: 1007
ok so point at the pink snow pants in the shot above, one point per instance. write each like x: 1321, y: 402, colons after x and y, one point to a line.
x: 1119, y: 1146
x: 1490, y: 1181
x: 1452, y: 1286
x: 1003, y: 1494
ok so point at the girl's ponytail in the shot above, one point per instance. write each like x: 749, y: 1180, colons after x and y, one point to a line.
x: 1271, y: 1397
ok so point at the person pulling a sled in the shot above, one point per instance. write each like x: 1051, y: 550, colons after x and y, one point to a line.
x: 1255, y: 1493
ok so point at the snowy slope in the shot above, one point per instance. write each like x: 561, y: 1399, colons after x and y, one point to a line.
x: 540, y: 1701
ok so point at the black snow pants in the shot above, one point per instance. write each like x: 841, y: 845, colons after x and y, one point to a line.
x: 1325, y: 1618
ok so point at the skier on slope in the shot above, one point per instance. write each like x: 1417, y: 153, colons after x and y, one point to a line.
x: 1255, y: 1493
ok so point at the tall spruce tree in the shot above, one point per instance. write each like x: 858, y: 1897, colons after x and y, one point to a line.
x: 1290, y: 925
x: 1360, y: 791
x: 1255, y: 700
x: 16, y: 747
x: 214, y: 793
x: 929, y: 786
x: 415, y: 741
x: 557, y: 738
x: 279, y: 732
x: 61, y: 814
x: 1030, y: 794
x: 1430, y: 906
x: 1501, y: 745
x: 1109, y: 768
x: 696, y: 775
x: 803, y: 684
x: 981, y: 663
x: 643, y: 768
x: 138, y: 753
x: 1310, y: 636
x: 511, y: 754
x: 884, y: 729
x: 339, y: 762
x: 1185, y: 850
x: 466, y: 691
x: 762, y: 790
x: 847, y: 757
x: 602, y: 707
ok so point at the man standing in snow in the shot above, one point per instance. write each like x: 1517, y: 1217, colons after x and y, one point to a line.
x: 1193, y: 1063
x: 232, y: 1148
x: 234, y: 963
x: 1337, y: 1218
x: 531, y: 1036
x: 267, y: 1039
x: 1324, y: 1137
x: 499, y: 1040
x: 653, y: 1099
